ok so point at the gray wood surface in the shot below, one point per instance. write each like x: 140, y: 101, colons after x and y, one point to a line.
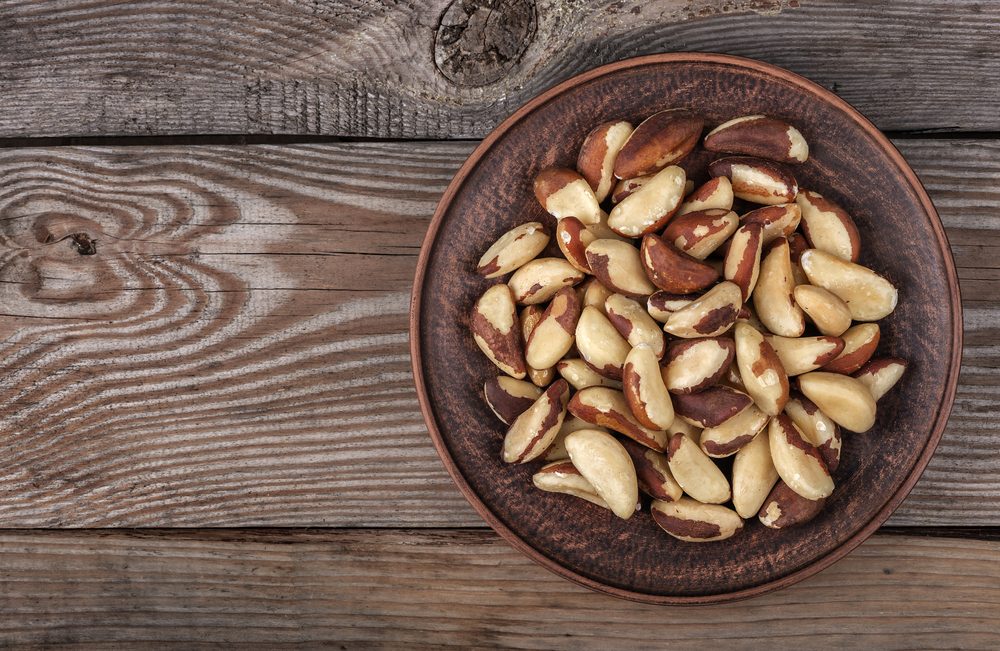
x: 234, y: 354
x: 437, y: 69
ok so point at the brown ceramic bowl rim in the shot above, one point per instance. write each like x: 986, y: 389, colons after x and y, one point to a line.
x: 943, y: 410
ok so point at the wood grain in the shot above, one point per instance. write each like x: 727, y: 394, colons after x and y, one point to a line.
x: 234, y: 354
x: 465, y: 589
x: 426, y: 69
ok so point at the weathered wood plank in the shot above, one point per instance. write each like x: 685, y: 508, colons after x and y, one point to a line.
x: 372, y: 69
x: 235, y: 352
x: 462, y: 589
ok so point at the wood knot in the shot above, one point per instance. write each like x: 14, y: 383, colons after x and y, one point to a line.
x: 479, y: 41
x: 85, y: 245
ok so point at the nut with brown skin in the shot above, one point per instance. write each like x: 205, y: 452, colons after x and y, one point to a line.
x: 797, y: 460
x: 818, y: 429
x: 653, y: 473
x: 608, y: 408
x: 691, y: 521
x: 645, y: 392
x: 753, y: 475
x: 830, y: 314
x: 530, y: 316
x: 868, y: 295
x: 513, y: 249
x: 650, y: 207
x: 760, y: 136
x: 803, y: 354
x: 797, y: 245
x: 731, y: 435
x: 564, y: 193
x: 696, y: 473
x: 762, y: 372
x: 709, y: 315
x: 716, y: 193
x: 844, y: 399
x: 580, y: 375
x: 660, y: 305
x: 625, y: 187
x: 696, y: 364
x: 742, y: 265
x: 539, y: 280
x: 711, y: 407
x: 699, y: 233
x: 509, y: 398
x: 778, y: 221
x: 773, y: 300
x: 672, y: 270
x: 785, y: 508
x: 596, y: 161
x: 600, y: 345
x: 573, y: 238
x: 619, y: 268
x: 632, y: 321
x: 496, y: 330
x: 605, y: 463
x: 553, y: 336
x: 561, y: 476
x: 557, y: 450
x: 533, y: 431
x: 860, y: 343
x: 757, y: 180
x: 828, y: 227
x: 660, y: 140
x: 880, y: 375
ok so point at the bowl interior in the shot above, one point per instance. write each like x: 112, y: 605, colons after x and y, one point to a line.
x: 634, y: 558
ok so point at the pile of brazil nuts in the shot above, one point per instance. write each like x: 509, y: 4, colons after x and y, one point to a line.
x: 768, y: 328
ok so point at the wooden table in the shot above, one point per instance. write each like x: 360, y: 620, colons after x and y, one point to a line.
x: 209, y: 219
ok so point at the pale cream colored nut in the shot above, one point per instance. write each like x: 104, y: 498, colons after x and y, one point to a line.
x: 625, y: 187
x: 716, y: 193
x: 570, y: 424
x: 763, y: 375
x: 880, y: 375
x: 650, y: 207
x: 818, y: 428
x: 580, y: 375
x: 797, y: 460
x: 778, y: 221
x: 533, y: 431
x: 691, y: 521
x: 695, y: 472
x: 605, y: 463
x: 608, y: 408
x: 530, y: 316
x: 756, y: 180
x: 539, y: 280
x: 681, y: 426
x: 828, y: 227
x: 797, y: 245
x: 594, y: 293
x: 660, y: 305
x: 729, y: 437
x: 701, y: 232
x: 634, y: 323
x: 561, y: 476
x: 553, y: 336
x: 509, y: 398
x: 785, y: 508
x: 696, y: 364
x: 742, y: 262
x: 653, y: 473
x: 773, y: 296
x: 496, y: 331
x: 753, y: 475
x: 672, y: 270
x: 711, y: 407
x: 564, y: 193
x: 602, y: 231
x: 868, y: 295
x: 803, y: 354
x: 514, y: 248
x: 573, y: 238
x: 709, y: 315
x: 645, y: 392
x: 748, y: 315
x: 596, y: 161
x: 760, y: 136
x: 844, y: 399
x: 860, y: 343
x: 830, y: 314
x: 660, y: 140
x: 617, y: 265
x: 600, y: 345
